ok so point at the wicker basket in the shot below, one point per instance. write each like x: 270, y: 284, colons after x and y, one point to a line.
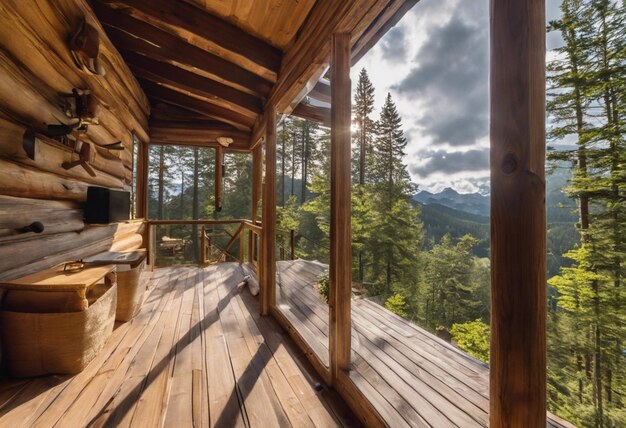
x: 131, y: 283
x: 130, y: 291
x: 63, y: 343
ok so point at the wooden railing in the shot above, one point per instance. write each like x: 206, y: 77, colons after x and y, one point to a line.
x: 208, y: 247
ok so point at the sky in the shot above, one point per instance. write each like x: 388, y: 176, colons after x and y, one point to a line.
x: 435, y: 64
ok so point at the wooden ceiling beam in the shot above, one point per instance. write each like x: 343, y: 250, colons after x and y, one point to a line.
x: 195, y: 133
x: 392, y: 14
x: 308, y: 57
x: 129, y: 33
x: 190, y: 21
x: 321, y: 91
x: 214, y: 92
x: 236, y: 147
x: 165, y: 111
x: 189, y: 102
x: 314, y: 113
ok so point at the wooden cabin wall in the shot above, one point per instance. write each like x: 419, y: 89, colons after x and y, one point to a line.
x: 36, y: 68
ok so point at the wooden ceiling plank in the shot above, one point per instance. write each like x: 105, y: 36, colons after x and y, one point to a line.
x: 172, y: 96
x: 215, y: 92
x: 132, y: 34
x: 201, y: 23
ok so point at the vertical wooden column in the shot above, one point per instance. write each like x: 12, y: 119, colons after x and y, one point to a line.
x: 340, y: 274
x: 268, y: 241
x: 219, y: 169
x: 518, y: 215
x: 256, y: 193
x: 142, y: 180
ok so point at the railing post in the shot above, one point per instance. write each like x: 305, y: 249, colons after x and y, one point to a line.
x: 250, y: 246
x: 152, y: 245
x: 202, y: 246
x: 292, y: 244
x: 241, y: 246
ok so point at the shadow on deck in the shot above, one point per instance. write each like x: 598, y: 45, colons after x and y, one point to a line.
x: 198, y: 354
x: 412, y: 377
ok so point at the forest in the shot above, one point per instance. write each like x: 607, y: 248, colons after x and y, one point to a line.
x: 430, y: 264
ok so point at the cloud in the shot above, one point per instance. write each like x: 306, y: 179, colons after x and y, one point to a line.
x: 554, y: 39
x: 394, y: 45
x: 449, y: 82
x: 441, y: 161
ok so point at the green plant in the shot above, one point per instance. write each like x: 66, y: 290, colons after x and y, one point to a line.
x: 473, y: 338
x: 323, y: 284
x: 397, y: 305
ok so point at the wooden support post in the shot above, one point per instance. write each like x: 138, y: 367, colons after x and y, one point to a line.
x: 292, y: 244
x: 142, y: 180
x: 152, y: 246
x: 518, y: 215
x: 241, y: 246
x: 340, y: 207
x: 256, y: 192
x: 268, y: 251
x: 219, y: 169
x: 202, y: 246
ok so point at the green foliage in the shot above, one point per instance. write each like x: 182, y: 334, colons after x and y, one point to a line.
x: 473, y: 338
x: 323, y: 284
x: 587, y: 326
x: 397, y: 304
x: 453, y: 282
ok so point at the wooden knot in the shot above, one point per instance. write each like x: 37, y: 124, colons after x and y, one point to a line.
x: 509, y: 164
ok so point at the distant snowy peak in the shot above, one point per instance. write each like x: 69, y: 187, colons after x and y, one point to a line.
x: 473, y: 203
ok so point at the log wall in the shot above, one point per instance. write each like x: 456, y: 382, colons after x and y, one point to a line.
x: 36, y: 69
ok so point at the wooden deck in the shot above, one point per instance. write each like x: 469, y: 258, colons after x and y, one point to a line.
x: 412, y: 377
x: 198, y: 354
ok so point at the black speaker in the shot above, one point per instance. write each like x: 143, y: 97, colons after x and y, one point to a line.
x: 105, y: 206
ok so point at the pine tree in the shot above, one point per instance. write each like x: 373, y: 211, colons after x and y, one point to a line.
x: 365, y: 127
x: 590, y: 80
x: 362, y: 139
x: 394, y: 247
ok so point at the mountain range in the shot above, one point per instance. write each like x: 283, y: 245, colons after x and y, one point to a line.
x: 457, y: 214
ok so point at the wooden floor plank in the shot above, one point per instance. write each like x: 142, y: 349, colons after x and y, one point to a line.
x: 150, y: 408
x: 260, y: 404
x: 224, y: 406
x: 302, y: 381
x: 271, y: 375
x: 180, y: 402
x: 121, y: 394
x: 197, y: 354
x: 103, y: 385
